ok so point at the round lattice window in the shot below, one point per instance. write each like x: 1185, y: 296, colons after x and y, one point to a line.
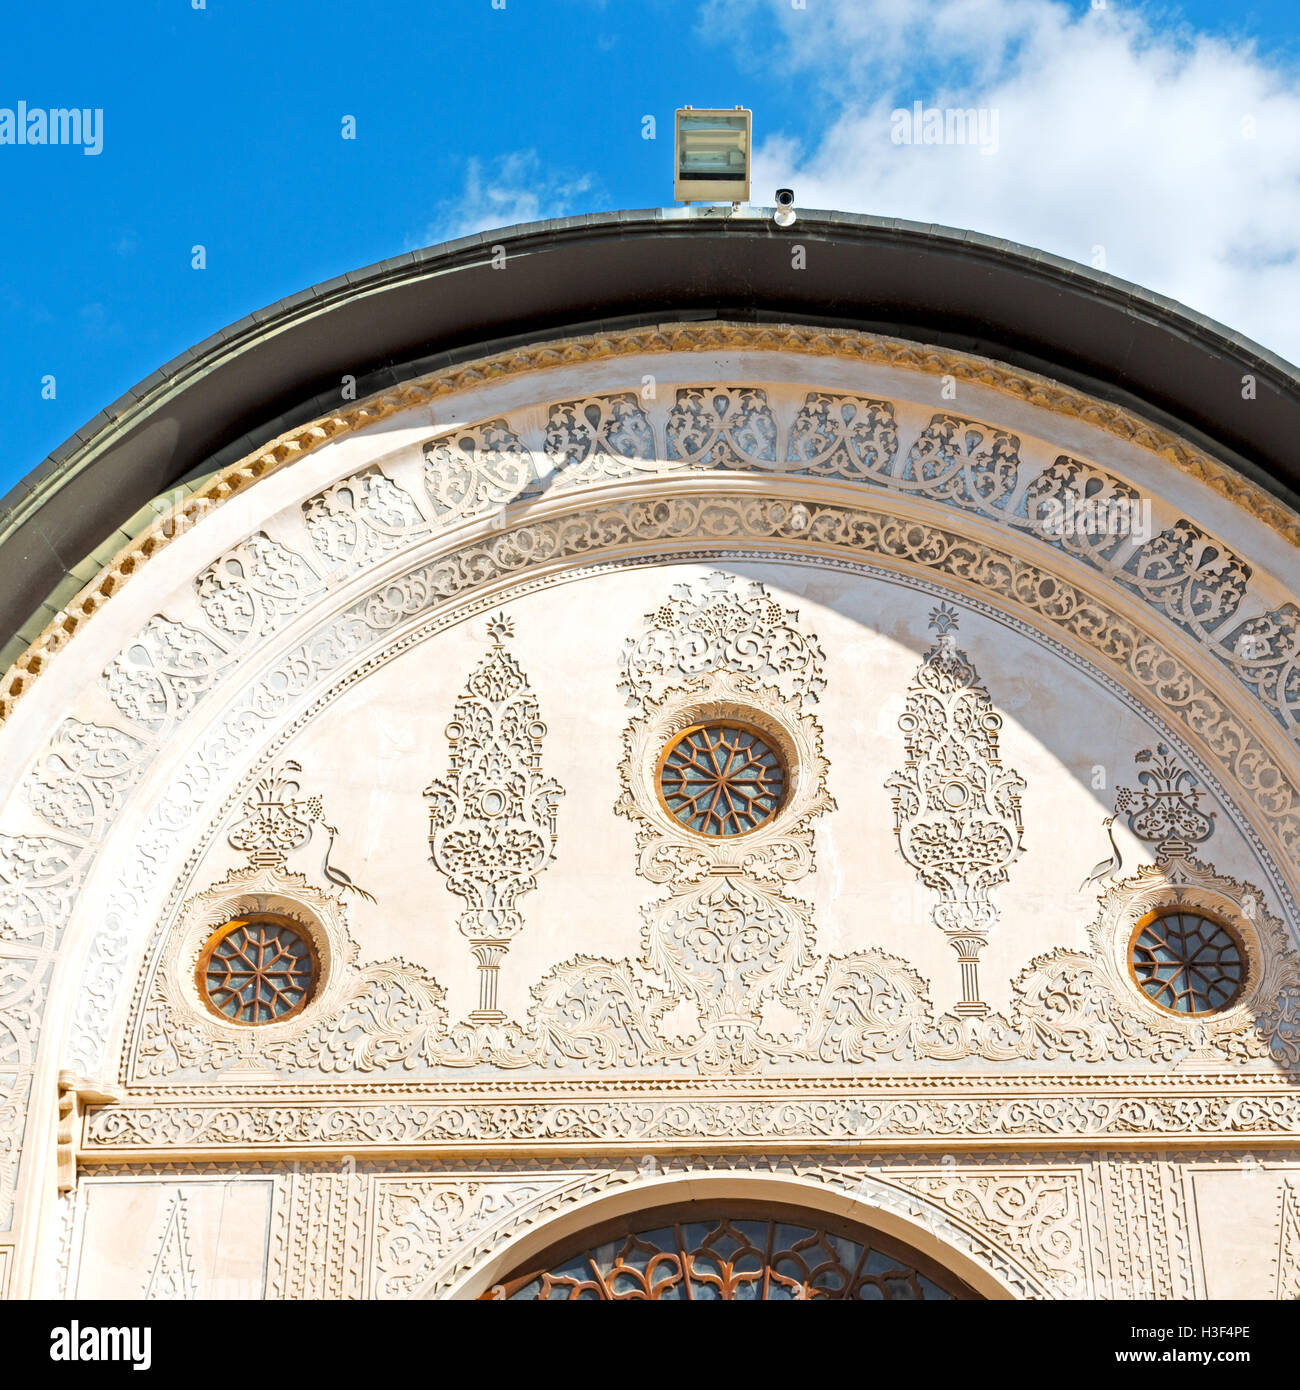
x: 259, y: 969
x: 1186, y: 962
x: 722, y: 778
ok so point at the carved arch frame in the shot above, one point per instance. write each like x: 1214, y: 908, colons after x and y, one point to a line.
x: 840, y: 525
x: 874, y: 1204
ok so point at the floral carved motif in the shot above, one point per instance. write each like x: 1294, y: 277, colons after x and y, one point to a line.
x: 419, y: 1223
x: 730, y: 937
x: 956, y: 808
x: 357, y: 521
x: 163, y: 687
x: 1058, y: 1107
x: 382, y: 1014
x: 164, y: 673
x: 477, y: 470
x: 726, y: 628
x: 722, y: 427
x: 602, y: 437
x: 1166, y: 809
x: 256, y: 587
x: 83, y: 776
x: 492, y: 820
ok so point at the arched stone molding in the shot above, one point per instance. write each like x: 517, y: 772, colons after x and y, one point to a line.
x: 871, y: 1202
x: 843, y: 521
x: 857, y: 363
x: 494, y: 598
x: 98, y: 1024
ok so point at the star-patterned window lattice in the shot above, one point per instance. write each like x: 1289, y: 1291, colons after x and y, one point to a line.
x: 257, y: 970
x: 721, y: 779
x: 1186, y: 962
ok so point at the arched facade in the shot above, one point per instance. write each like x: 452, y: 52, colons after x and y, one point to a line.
x: 394, y: 693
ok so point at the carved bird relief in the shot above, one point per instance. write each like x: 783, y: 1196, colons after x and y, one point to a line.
x: 1106, y: 867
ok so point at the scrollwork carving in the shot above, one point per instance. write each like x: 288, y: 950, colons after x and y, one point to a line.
x: 492, y: 820
x: 83, y: 776
x: 956, y: 808
x: 477, y: 470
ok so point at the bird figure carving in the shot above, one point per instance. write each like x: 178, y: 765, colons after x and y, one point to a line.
x: 1107, y: 867
x: 338, y: 877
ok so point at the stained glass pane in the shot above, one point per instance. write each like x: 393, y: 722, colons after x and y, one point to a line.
x: 257, y: 970
x: 731, y: 1260
x: 722, y: 779
x: 1187, y: 963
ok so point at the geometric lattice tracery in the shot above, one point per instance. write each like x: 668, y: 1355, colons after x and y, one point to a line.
x: 257, y: 970
x: 721, y: 779
x: 727, y: 1258
x: 1187, y: 962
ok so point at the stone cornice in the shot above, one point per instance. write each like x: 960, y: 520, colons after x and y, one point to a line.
x: 483, y: 1117
x: 667, y: 338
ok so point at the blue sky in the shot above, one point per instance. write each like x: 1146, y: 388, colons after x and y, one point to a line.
x: 222, y: 128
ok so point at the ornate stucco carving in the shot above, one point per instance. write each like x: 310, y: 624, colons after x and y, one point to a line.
x: 164, y: 673
x: 1049, y: 1224
x: 492, y: 819
x: 1078, y: 614
x: 424, y: 591
x: 1166, y: 809
x: 172, y: 1276
x: 601, y: 437
x: 729, y: 936
x: 1288, y: 1242
x: 1119, y: 1108
x: 956, y: 808
x: 384, y: 1013
x: 361, y: 519
x: 83, y: 776
x: 478, y: 469
x: 728, y: 940
x: 254, y: 588
x: 148, y: 683
x: 598, y: 1020
x: 1275, y: 633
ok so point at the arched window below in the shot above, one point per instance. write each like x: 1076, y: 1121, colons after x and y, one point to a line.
x: 706, y: 1252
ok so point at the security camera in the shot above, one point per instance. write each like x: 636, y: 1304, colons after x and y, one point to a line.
x: 784, y: 216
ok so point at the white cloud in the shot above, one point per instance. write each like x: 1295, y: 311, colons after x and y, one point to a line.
x: 1176, y: 154
x: 513, y: 188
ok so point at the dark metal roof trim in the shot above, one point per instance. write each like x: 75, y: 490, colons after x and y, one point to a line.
x: 427, y: 310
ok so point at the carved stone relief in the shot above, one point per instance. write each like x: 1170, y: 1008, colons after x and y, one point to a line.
x: 1288, y: 1241
x: 956, y: 808
x: 492, y: 821
x: 1225, y: 1110
x: 729, y: 978
x: 86, y: 774
x: 1071, y: 505
x: 384, y: 1013
x: 1044, y: 1225
x: 163, y: 675
x: 172, y: 1276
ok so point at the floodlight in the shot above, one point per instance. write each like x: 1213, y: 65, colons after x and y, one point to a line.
x: 712, y: 156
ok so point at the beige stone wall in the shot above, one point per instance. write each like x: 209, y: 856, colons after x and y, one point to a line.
x: 1045, y: 1225
x: 619, y: 544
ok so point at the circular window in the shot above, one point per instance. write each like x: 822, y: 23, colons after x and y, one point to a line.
x: 721, y: 778
x: 257, y: 970
x: 1186, y: 962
